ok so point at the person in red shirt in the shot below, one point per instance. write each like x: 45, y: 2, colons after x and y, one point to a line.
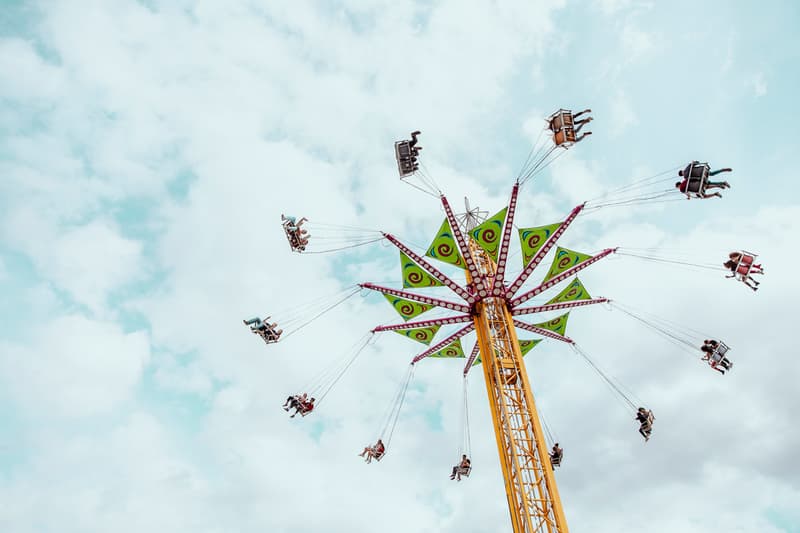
x: 373, y: 452
x: 688, y: 179
x: 304, y: 408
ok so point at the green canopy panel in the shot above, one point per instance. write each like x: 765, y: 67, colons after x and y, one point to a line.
x: 528, y: 345
x: 407, y: 308
x: 556, y: 325
x: 423, y: 335
x: 532, y: 239
x: 452, y: 350
x: 444, y: 247
x: 490, y: 232
x: 414, y: 276
x: 572, y: 292
x: 564, y: 260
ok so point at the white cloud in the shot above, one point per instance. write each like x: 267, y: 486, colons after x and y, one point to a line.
x: 759, y: 84
x: 729, y: 53
x: 76, y: 367
x: 88, y: 261
x: 610, y: 7
x: 636, y: 43
x: 622, y: 113
x: 293, y: 110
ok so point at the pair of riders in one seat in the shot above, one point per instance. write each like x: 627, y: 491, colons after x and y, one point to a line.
x: 301, y: 404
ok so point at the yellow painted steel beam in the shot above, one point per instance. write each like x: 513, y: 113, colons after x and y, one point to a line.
x: 533, y: 499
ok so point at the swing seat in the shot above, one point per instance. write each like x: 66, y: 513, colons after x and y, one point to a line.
x: 720, y: 352
x: 464, y: 472
x: 265, y: 335
x: 745, y: 264
x: 556, y: 461
x: 378, y: 457
x: 292, y: 236
x: 403, y: 154
x: 696, y: 175
x: 562, y: 124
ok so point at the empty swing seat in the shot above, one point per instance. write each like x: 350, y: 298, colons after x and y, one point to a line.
x: 403, y: 154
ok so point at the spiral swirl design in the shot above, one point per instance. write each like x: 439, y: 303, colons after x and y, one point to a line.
x: 406, y: 309
x: 489, y: 235
x: 415, y: 277
x: 444, y: 250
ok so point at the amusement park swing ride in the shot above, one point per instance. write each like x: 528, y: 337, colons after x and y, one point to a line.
x: 494, y: 306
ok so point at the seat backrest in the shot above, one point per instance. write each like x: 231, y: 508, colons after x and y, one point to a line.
x: 699, y: 170
x: 695, y: 185
x: 402, y: 149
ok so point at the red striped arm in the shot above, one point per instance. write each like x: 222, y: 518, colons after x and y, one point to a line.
x: 536, y: 259
x: 555, y: 307
x: 543, y: 332
x: 497, y: 286
x: 430, y: 269
x: 435, y: 348
x: 460, y: 319
x: 445, y: 304
x: 474, y: 274
x: 561, y: 277
x: 471, y: 359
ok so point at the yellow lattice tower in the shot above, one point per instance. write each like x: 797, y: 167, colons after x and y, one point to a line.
x: 533, y: 499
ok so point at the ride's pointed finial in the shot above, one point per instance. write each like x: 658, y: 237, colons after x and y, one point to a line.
x: 471, y: 217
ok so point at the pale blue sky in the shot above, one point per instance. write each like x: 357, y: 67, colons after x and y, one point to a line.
x: 147, y: 151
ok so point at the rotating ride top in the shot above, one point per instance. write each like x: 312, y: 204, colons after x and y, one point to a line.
x: 492, y: 304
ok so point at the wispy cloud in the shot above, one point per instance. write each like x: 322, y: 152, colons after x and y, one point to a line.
x: 278, y: 108
x: 759, y: 84
x: 623, y: 114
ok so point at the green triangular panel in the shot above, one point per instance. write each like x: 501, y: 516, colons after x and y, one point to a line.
x: 414, y: 276
x: 423, y: 335
x: 444, y: 247
x: 451, y: 350
x: 527, y: 346
x: 489, y: 233
x: 407, y: 308
x: 531, y: 239
x: 563, y: 260
x: 572, y: 292
x: 556, y: 325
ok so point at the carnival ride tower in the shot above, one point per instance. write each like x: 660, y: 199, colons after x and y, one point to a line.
x: 491, y: 306
x: 531, y: 489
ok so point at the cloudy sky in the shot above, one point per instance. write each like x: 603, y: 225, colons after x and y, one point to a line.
x: 147, y: 150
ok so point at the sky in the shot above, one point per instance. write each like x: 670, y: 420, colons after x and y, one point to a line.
x: 148, y: 149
